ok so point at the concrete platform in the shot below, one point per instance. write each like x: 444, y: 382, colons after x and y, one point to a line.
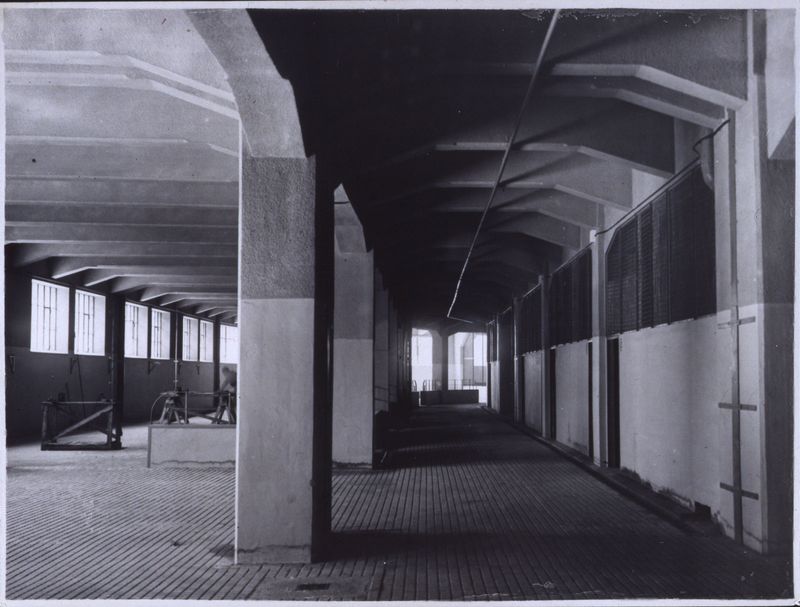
x: 468, y: 508
x: 194, y: 444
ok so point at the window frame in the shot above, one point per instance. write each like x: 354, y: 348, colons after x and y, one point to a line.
x: 206, y: 341
x: 138, y: 332
x: 193, y: 355
x: 58, y: 318
x: 228, y: 346
x: 161, y: 314
x: 98, y: 321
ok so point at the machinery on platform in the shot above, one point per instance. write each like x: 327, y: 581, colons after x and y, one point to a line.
x: 176, y: 407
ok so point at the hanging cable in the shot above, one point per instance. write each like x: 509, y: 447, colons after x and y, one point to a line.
x: 506, y: 153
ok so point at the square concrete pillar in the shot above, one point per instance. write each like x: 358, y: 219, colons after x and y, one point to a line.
x: 381, y: 345
x: 284, y: 433
x: 547, y: 387
x: 519, y: 361
x: 392, y: 359
x: 352, y: 342
x: 599, y: 367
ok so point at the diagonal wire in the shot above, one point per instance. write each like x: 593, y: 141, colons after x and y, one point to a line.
x: 506, y: 153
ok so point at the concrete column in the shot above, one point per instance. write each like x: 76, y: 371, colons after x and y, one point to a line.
x: 489, y: 363
x: 404, y: 366
x: 216, y: 358
x: 437, y: 356
x: 392, y: 357
x: 754, y: 196
x: 381, y: 346
x: 599, y: 376
x: 284, y: 444
x: 546, y: 387
x: 445, y: 360
x: 774, y: 83
x: 117, y: 304
x: 519, y: 369
x: 352, y: 341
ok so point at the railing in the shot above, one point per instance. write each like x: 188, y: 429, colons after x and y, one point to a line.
x: 453, y: 384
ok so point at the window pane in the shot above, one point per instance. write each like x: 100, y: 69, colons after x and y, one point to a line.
x: 229, y: 344
x: 90, y: 323
x: 135, y: 331
x: 49, y: 317
x: 206, y: 341
x: 190, y: 338
x: 159, y: 334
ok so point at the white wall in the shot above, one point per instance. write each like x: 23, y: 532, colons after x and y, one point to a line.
x: 533, y: 390
x: 673, y: 433
x: 572, y: 395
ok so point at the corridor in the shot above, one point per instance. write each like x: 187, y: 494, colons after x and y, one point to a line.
x: 464, y: 508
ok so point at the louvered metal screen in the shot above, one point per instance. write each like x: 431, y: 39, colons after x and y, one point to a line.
x: 660, y: 261
x: 645, y: 282
x: 660, y: 264
x: 628, y: 276
x: 571, y: 300
x: 531, y: 321
x: 491, y: 336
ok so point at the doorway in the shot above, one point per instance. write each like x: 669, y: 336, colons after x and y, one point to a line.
x: 551, y: 405
x: 612, y: 402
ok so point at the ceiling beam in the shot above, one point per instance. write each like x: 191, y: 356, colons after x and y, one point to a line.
x: 76, y: 188
x: 134, y: 277
x: 62, y: 267
x: 595, y: 128
x: 197, y: 297
x: 121, y: 214
x: 82, y: 232
x: 211, y: 289
x: 26, y: 254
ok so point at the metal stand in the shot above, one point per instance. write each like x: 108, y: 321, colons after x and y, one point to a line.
x: 225, y: 406
x: 176, y: 408
x: 52, y: 408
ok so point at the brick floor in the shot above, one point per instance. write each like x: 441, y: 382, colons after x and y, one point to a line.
x: 467, y: 508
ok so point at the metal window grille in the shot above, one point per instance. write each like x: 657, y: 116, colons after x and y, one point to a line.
x: 531, y: 321
x: 570, y: 304
x: 660, y: 264
x: 629, y: 282
x: 491, y: 333
x: 645, y: 282
x: 660, y: 255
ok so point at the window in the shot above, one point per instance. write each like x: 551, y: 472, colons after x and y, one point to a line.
x: 229, y: 344
x: 135, y: 330
x: 189, y: 338
x: 159, y: 334
x: 90, y: 323
x: 206, y: 341
x: 49, y: 317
